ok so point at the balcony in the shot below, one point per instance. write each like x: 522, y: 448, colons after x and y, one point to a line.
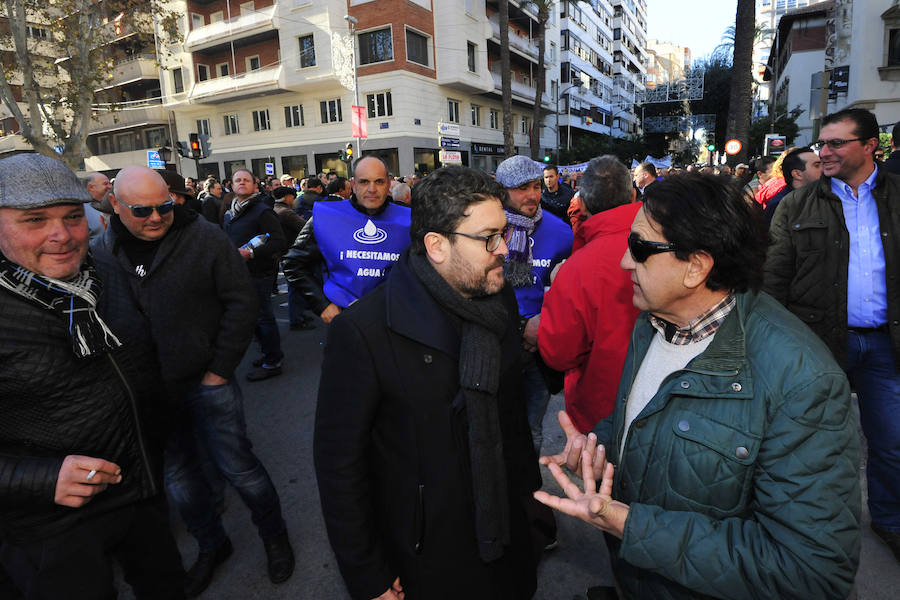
x: 252, y: 83
x: 242, y: 26
x: 133, y: 69
x: 520, y: 91
x: 130, y: 115
x: 516, y: 42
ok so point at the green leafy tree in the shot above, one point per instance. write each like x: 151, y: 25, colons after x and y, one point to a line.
x: 57, y: 54
x: 785, y: 124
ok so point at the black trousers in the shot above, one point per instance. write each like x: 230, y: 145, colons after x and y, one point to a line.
x: 77, y: 564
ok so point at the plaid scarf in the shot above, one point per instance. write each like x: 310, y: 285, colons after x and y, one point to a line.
x: 75, y: 301
x: 518, y: 266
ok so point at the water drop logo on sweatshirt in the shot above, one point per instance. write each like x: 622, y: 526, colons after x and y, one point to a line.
x: 369, y: 234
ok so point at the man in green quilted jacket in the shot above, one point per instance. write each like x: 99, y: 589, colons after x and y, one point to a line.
x: 728, y: 468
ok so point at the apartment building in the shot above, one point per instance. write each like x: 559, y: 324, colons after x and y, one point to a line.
x: 272, y: 82
x: 667, y: 62
x: 629, y: 63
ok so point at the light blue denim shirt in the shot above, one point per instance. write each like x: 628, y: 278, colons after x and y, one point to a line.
x: 866, y: 286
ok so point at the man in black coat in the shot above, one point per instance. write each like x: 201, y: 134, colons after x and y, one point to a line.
x: 80, y: 481
x: 422, y: 447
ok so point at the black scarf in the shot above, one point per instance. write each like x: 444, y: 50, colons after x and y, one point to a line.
x: 482, y: 322
x: 75, y: 301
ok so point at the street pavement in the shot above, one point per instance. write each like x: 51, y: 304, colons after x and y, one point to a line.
x: 280, y: 414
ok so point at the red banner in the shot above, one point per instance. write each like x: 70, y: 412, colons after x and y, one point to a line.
x: 358, y: 124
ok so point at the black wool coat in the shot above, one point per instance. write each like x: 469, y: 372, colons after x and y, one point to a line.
x: 392, y: 458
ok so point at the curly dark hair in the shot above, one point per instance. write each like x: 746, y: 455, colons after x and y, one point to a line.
x: 704, y: 212
x: 439, y: 201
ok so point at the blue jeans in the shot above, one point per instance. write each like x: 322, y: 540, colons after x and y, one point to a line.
x: 296, y: 305
x: 266, y: 328
x: 214, y: 416
x: 537, y: 396
x: 870, y: 368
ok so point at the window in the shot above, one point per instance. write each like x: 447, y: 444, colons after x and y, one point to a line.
x: 247, y: 8
x: 894, y: 48
x: 177, y: 80
x: 476, y: 115
x: 253, y: 63
x: 453, y: 111
x: 470, y: 51
x: 552, y: 52
x: 155, y: 137
x: 261, y: 120
x: 217, y: 16
x: 222, y: 69
x: 197, y: 21
x: 379, y: 105
x: 495, y: 119
x: 125, y: 142
x: 202, y: 72
x: 307, y: 51
x: 525, y: 125
x: 37, y: 33
x: 203, y: 126
x: 416, y: 48
x: 331, y: 111
x: 231, y: 125
x: 293, y: 116
x: 375, y: 46
x: 103, y: 145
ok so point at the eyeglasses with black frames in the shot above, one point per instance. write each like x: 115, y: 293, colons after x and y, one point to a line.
x: 641, y: 250
x: 834, y: 144
x: 491, y: 242
x: 142, y: 212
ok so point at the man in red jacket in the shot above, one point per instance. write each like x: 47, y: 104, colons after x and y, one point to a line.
x: 588, y: 314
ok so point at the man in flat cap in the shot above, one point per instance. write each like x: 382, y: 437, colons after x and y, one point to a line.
x: 538, y: 241
x: 79, y: 463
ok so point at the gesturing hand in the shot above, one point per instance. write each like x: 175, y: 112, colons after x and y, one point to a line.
x: 594, y: 507
x: 576, y: 443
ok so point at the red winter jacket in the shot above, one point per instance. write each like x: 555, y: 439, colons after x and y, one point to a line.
x: 588, y: 315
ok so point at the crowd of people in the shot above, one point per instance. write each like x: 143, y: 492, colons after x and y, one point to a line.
x: 706, y: 328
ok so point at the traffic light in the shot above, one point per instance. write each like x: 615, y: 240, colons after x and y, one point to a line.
x: 711, y: 141
x: 196, y: 151
x: 205, y: 149
x: 546, y: 158
x: 347, y: 153
x: 183, y: 149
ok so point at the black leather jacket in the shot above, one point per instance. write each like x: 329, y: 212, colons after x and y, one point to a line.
x: 54, y: 405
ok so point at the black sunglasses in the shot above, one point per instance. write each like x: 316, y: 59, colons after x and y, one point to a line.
x: 142, y: 212
x: 641, y: 250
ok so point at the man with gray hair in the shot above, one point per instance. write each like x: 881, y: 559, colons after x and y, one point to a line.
x: 80, y: 470
x: 588, y: 314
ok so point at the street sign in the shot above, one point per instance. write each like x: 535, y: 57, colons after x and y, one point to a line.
x: 154, y: 161
x: 270, y: 168
x: 451, y: 143
x: 732, y: 147
x: 451, y: 157
x: 451, y: 129
x: 774, y: 144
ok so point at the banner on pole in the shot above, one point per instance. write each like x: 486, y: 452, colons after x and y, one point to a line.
x: 358, y: 125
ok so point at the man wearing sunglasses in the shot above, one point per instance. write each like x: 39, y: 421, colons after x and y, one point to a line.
x: 728, y: 468
x: 188, y: 287
x: 538, y: 241
x: 422, y: 449
x: 835, y: 263
x: 80, y: 479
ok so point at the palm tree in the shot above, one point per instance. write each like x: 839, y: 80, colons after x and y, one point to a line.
x: 506, y: 79
x: 738, y: 124
x: 761, y: 34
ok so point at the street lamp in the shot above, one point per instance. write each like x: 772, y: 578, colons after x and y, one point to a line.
x: 569, y: 115
x: 165, y: 153
x: 353, y: 22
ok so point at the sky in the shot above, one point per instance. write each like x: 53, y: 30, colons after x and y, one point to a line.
x: 697, y: 24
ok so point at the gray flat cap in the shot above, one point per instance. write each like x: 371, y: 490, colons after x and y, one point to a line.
x: 35, y: 181
x: 516, y: 170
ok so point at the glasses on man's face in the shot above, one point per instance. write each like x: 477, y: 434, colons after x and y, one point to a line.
x: 491, y: 242
x: 142, y: 212
x: 641, y: 250
x: 834, y: 144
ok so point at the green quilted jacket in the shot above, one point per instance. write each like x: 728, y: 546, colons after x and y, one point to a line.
x: 742, y: 471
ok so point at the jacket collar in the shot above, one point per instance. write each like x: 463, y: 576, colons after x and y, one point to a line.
x: 413, y: 313
x: 614, y: 220
x: 355, y: 204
